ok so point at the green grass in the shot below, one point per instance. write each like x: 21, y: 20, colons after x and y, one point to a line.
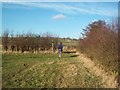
x: 69, y: 43
x: 45, y: 71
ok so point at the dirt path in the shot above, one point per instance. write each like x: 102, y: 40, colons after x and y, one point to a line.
x: 107, y: 80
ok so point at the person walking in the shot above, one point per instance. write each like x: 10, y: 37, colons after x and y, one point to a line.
x: 60, y: 49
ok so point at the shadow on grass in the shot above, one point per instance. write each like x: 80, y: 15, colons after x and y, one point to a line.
x: 74, y: 55
x: 69, y: 52
x: 71, y: 56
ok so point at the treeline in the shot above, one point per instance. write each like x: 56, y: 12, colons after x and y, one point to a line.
x: 100, y: 43
x: 28, y: 42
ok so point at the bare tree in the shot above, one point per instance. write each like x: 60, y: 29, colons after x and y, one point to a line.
x: 5, y: 39
x: 29, y: 42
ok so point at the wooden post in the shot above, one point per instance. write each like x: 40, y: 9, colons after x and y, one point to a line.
x: 52, y: 47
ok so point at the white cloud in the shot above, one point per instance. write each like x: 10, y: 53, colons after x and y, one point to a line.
x: 58, y: 17
x: 60, y: 0
x: 71, y: 8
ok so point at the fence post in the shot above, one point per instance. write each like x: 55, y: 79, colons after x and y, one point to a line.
x: 52, y: 47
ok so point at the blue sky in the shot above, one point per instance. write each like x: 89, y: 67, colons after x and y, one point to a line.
x: 65, y: 19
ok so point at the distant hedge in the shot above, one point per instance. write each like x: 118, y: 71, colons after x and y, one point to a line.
x: 28, y: 42
x: 100, y: 43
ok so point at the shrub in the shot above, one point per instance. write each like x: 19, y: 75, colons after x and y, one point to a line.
x: 100, y: 42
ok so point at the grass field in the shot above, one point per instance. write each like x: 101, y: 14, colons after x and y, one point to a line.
x: 46, y: 71
x: 69, y: 42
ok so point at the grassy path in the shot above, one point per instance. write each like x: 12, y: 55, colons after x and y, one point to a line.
x: 47, y: 71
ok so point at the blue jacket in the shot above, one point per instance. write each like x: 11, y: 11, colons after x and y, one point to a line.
x: 60, y: 47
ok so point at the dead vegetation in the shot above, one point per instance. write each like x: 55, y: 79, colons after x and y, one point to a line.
x: 108, y: 80
x: 100, y: 43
